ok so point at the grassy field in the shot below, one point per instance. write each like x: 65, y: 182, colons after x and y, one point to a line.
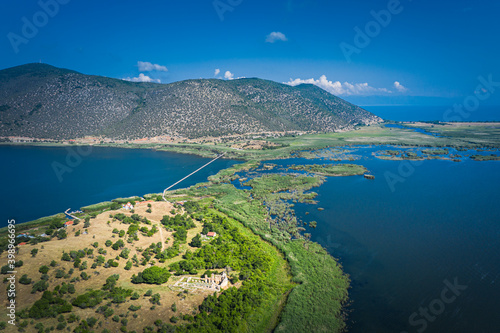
x: 467, y: 135
x: 100, y: 231
x: 102, y: 228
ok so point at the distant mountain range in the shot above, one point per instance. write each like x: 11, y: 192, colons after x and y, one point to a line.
x: 42, y: 101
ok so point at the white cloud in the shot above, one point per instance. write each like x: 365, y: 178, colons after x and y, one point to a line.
x: 276, y: 36
x: 142, y: 78
x: 229, y: 76
x: 399, y: 87
x: 145, y: 66
x: 217, y: 72
x: 338, y: 88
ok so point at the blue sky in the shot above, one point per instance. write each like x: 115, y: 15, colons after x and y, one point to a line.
x: 417, y: 48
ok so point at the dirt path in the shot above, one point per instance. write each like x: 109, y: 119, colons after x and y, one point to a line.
x: 161, y: 236
x: 160, y: 226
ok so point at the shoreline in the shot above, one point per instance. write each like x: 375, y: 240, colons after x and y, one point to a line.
x: 466, y: 135
x: 257, y: 225
x: 377, y: 155
x: 215, y: 182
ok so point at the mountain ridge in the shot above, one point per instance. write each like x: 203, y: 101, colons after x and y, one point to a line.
x: 42, y: 101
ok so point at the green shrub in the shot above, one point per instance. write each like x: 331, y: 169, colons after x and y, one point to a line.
x: 155, y: 299
x: 134, y: 307
x: 89, y: 299
x: 40, y: 286
x: 118, y: 244
x: 43, y: 269
x: 108, y: 313
x: 73, y: 318
x: 24, y: 279
x: 91, y: 321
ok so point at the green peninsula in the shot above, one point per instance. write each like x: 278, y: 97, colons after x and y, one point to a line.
x: 210, y: 258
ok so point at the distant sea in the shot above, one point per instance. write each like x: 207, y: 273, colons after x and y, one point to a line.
x: 431, y: 113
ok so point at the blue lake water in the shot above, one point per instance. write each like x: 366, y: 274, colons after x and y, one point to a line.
x: 440, y: 221
x: 419, y: 130
x: 31, y: 187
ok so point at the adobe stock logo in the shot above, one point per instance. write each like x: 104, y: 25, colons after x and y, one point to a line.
x: 30, y: 28
x: 484, y: 90
x: 74, y: 158
x: 223, y: 6
x: 425, y: 315
x: 372, y: 29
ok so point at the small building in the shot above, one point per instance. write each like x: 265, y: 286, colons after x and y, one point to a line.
x: 67, y: 224
x: 23, y: 243
x: 211, y: 234
x: 128, y: 206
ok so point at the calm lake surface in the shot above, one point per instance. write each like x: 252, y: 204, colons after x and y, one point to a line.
x: 31, y: 188
x: 400, y: 243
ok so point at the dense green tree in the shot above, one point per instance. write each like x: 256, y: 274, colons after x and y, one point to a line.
x: 118, y: 244
x: 50, y: 305
x: 152, y: 275
x: 196, y: 241
x: 61, y: 234
x: 89, y: 299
